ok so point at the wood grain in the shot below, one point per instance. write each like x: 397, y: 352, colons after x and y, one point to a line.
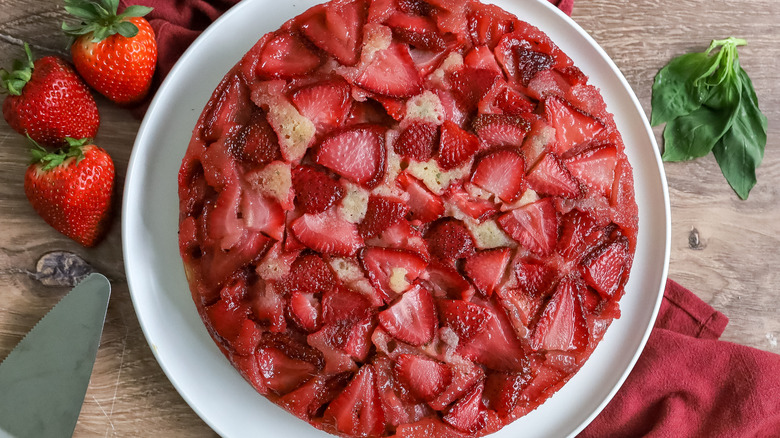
x: 730, y: 260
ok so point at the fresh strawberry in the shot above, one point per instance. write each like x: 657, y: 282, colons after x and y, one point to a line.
x: 572, y: 126
x: 336, y: 28
x: 315, y: 191
x: 456, y: 146
x: 449, y: 240
x: 595, y: 167
x: 424, y: 206
x: 287, y: 56
x: 325, y: 103
x: 391, y: 271
x: 535, y: 279
x: 381, y: 214
x: 606, y: 268
x: 48, y: 101
x: 357, y: 411
x: 535, y: 226
x: 356, y: 153
x: 562, y: 325
x: 471, y: 84
x: 580, y: 232
x: 116, y: 54
x: 501, y: 173
x: 424, y: 377
x: 501, y: 130
x: 550, y: 177
x: 418, y: 31
x: 488, y: 23
x: 327, y: 233
x: 417, y: 141
x: 281, y: 372
x: 305, y: 309
x: 391, y: 72
x: 468, y: 413
x: 486, y: 268
x: 72, y: 190
x: 309, y: 274
x: 412, y: 318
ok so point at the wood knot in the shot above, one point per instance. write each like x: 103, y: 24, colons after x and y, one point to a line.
x: 694, y: 240
x: 61, y: 268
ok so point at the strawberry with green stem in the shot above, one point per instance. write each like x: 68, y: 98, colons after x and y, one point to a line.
x: 72, y: 189
x: 116, y: 54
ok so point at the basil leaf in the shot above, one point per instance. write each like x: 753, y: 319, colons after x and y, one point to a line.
x: 740, y: 151
x: 677, y: 90
x: 695, y: 134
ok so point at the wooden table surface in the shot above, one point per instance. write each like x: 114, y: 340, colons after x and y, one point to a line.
x: 724, y: 249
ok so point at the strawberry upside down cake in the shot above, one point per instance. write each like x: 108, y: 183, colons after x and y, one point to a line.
x: 407, y: 218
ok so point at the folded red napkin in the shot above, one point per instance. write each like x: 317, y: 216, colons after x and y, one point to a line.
x: 686, y: 382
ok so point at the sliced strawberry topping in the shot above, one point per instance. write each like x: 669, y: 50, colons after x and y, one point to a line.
x: 464, y: 318
x: 417, y: 141
x: 268, y: 306
x: 550, y: 177
x: 562, y: 324
x: 520, y: 307
x: 606, y: 268
x: 595, y: 167
x: 449, y: 240
x: 326, y: 103
x: 501, y: 173
x: 471, y: 84
x: 341, y: 304
x: 282, y: 373
x: 260, y: 213
x: 499, y: 130
x: 424, y: 377
x: 403, y: 235
x: 446, y: 281
x: 488, y: 23
x: 357, y: 410
x: 504, y: 391
x: 424, y: 206
x: 257, y: 141
x: 381, y: 214
x: 536, y: 279
x: 504, y: 99
x: 468, y: 413
x: 478, y: 208
x: 520, y: 60
x: 580, y: 232
x: 391, y: 270
x: 495, y: 344
x: 227, y: 318
x: 315, y: 191
x: 399, y: 405
x: 456, y: 146
x: 417, y: 31
x: 305, y: 309
x: 481, y: 57
x: 411, y: 319
x: 572, y: 126
x: 336, y: 28
x: 305, y: 401
x: 391, y: 72
x: 327, y: 233
x: 287, y: 56
x: 309, y: 274
x: 535, y: 226
x: 356, y: 153
x: 486, y: 268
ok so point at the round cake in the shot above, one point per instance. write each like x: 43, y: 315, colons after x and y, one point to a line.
x: 408, y: 218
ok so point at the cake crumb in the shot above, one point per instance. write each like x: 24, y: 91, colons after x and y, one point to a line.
x: 397, y: 281
x: 354, y: 204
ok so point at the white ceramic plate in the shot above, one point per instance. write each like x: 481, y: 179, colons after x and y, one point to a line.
x: 178, y: 338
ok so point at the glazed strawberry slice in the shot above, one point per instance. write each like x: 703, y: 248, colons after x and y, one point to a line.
x: 391, y: 271
x: 465, y: 374
x: 466, y: 319
x: 424, y: 377
x: 495, y: 344
x: 504, y: 391
x: 412, y: 318
x: 227, y: 318
x: 281, y: 372
x: 520, y: 59
x: 326, y: 103
x: 562, y: 325
x: 606, y: 268
x: 535, y: 226
x: 336, y: 28
x: 520, y: 308
x: 315, y: 191
x: 268, y: 306
x: 257, y: 141
x: 305, y: 310
x: 478, y: 208
x: 341, y: 305
x: 381, y: 214
x: 446, y: 281
x: 504, y: 99
x: 595, y: 167
x: 417, y: 141
x: 580, y: 232
x: 398, y: 403
x: 470, y: 84
x: 391, y: 72
x: 501, y: 130
x: 424, y: 206
x: 481, y: 57
x: 417, y: 31
x: 356, y: 153
x: 403, y: 235
x: 260, y: 213
x: 486, y: 268
x: 327, y: 233
x: 535, y: 279
x: 550, y: 177
x: 357, y: 411
x: 456, y: 146
x: 501, y: 173
x: 572, y: 126
x: 448, y: 240
x: 488, y: 23
x: 287, y: 56
x: 307, y: 400
x: 468, y: 413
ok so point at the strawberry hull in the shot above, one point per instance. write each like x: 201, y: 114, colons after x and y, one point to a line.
x: 407, y: 218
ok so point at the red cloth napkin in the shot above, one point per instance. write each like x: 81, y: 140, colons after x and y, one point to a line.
x: 686, y: 383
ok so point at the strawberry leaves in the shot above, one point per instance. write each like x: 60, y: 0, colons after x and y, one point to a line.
x: 100, y: 17
x: 708, y: 104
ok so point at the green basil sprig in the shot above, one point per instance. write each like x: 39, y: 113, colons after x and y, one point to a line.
x: 708, y: 104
